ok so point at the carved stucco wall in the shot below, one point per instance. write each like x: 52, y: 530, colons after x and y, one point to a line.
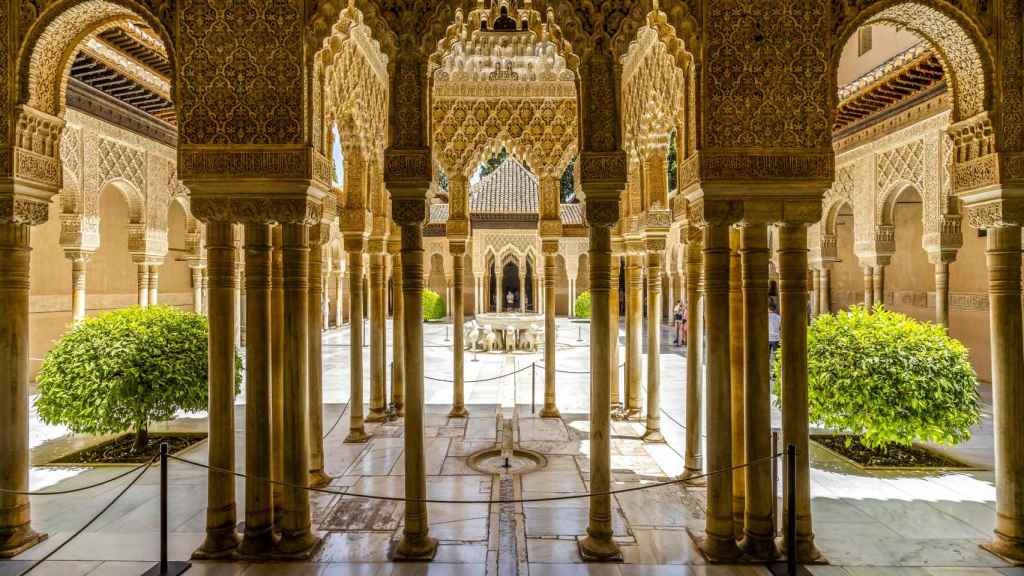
x: 870, y: 177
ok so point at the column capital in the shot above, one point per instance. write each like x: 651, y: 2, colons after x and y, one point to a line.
x: 78, y: 255
x: 549, y: 227
x: 706, y: 211
x: 355, y: 221
x: 549, y: 245
x: 992, y: 213
x: 457, y: 246
x: 292, y: 209
x: 15, y: 210
x: 409, y: 210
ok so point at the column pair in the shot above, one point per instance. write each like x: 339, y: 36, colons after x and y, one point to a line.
x: 693, y: 455
x: 79, y: 262
x: 655, y: 251
x: 634, y: 331
x: 355, y: 244
x: 318, y: 234
x: 378, y: 332
x: 397, y: 325
x: 457, y: 248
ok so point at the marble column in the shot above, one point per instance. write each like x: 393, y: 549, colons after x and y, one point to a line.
x: 258, y: 538
x: 613, y: 335
x: 297, y: 539
x: 869, y: 291
x: 339, y: 299
x: 670, y: 300
x: 221, y: 539
x: 206, y: 292
x: 693, y: 456
x: 143, y: 284
x: 942, y: 292
x: 79, y: 262
x: 634, y: 342
x: 497, y: 288
x: 378, y: 337
x: 315, y: 377
x: 277, y: 369
x: 1003, y: 254
x: 719, y: 544
x: 398, y: 332
x: 154, y: 284
x: 197, y: 289
x: 357, y: 432
x: 16, y: 533
x: 878, y: 284
x: 550, y: 409
x: 652, y: 433
x: 759, y: 531
x: 458, y: 252
x: 826, y: 289
x: 598, y: 544
x: 572, y: 297
x: 795, y: 422
x: 416, y: 543
x: 237, y: 301
x: 522, y: 292
x: 736, y: 318
x: 815, y: 292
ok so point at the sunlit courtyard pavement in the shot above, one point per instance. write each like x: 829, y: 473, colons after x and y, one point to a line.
x: 865, y: 523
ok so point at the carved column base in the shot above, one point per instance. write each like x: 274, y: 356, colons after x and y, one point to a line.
x: 598, y: 548
x: 300, y: 546
x: 17, y: 540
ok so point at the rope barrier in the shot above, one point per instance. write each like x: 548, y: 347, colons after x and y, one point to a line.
x: 82, y: 488
x: 488, y: 501
x: 49, y: 554
x: 336, y: 422
x: 513, y: 373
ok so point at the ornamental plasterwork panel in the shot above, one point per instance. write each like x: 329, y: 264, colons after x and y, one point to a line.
x: 500, y: 242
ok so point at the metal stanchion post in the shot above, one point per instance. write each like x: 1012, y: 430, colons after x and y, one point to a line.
x: 533, y: 388
x: 446, y: 338
x: 164, y: 567
x: 579, y: 333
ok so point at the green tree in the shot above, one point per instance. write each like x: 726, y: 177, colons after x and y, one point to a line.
x: 568, y: 183
x: 433, y: 305
x: 889, y: 378
x: 582, y: 306
x: 673, y: 163
x: 123, y: 370
x: 493, y: 162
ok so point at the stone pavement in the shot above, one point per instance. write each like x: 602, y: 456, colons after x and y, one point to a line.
x: 912, y: 524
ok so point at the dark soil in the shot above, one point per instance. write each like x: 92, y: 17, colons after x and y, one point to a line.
x: 891, y: 457
x: 119, y: 450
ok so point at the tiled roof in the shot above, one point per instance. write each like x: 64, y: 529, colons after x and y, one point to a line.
x: 510, y: 189
x: 572, y: 214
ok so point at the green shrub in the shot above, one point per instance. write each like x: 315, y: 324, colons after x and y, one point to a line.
x: 889, y: 378
x: 126, y: 369
x: 582, y: 306
x: 433, y: 305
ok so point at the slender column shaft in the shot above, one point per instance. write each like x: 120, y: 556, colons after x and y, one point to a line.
x: 550, y: 409
x: 613, y: 333
x: 78, y: 266
x: 314, y: 346
x: 653, y: 431
x: 259, y: 503
x: 143, y: 275
x: 869, y: 291
x: 237, y: 300
x: 206, y: 292
x: 669, y: 302
x: 878, y: 283
x: 416, y: 541
x: 378, y: 340
x: 339, y: 305
x: 694, y: 450
x: 793, y: 296
x: 197, y: 290
x: 815, y: 292
x: 220, y: 508
x: 277, y: 368
x: 736, y: 318
x: 398, y: 338
x: 634, y: 341
x: 758, y: 540
x: 1004, y: 270
x: 826, y: 290
x: 16, y: 532
x: 458, y: 321
x: 357, y: 433
x: 296, y: 537
x: 598, y: 544
x: 154, y: 284
x: 942, y: 293
x: 720, y: 543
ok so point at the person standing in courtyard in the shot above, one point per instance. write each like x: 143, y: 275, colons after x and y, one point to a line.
x: 774, y: 329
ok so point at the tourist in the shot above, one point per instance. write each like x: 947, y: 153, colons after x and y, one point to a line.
x: 774, y: 329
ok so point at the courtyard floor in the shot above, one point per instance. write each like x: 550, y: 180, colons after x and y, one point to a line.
x: 904, y: 524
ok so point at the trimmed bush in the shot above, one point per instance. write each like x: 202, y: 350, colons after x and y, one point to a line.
x: 123, y: 370
x: 582, y: 306
x: 889, y: 378
x: 433, y: 305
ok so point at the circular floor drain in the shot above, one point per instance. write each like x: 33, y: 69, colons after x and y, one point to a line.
x: 491, y: 461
